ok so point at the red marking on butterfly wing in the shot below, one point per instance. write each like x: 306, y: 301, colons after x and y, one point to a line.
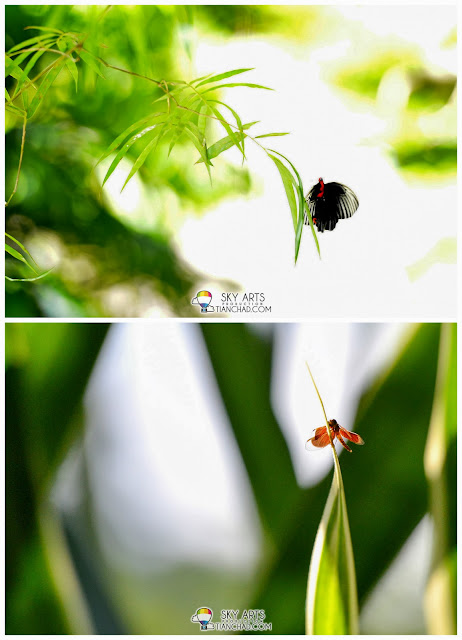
x: 350, y: 435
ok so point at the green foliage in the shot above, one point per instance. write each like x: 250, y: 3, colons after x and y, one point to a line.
x: 188, y: 105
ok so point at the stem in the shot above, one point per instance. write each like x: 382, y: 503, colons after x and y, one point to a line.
x: 336, y: 462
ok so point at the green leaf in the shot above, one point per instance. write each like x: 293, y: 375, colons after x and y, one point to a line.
x: 144, y: 154
x: 123, y: 151
x: 30, y: 42
x: 202, y: 120
x: 270, y: 135
x: 222, y: 76
x: 224, y: 144
x: 289, y: 185
x: 239, y: 124
x: 48, y: 80
x: 44, y: 29
x: 237, y: 84
x: 18, y: 256
x: 42, y: 275
x: 440, y: 462
x: 25, y: 74
x: 331, y: 577
x: 13, y: 239
x: 72, y: 68
x: 301, y: 209
x: 7, y: 95
x: 199, y: 142
x: 133, y: 127
x: 178, y: 132
x: 91, y: 61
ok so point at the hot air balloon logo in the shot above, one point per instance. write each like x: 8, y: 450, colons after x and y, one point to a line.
x: 203, y: 299
x: 203, y: 616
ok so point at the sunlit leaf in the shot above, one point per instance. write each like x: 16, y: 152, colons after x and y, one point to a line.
x: 238, y: 122
x: 123, y: 151
x: 91, y: 61
x: 289, y: 185
x: 331, y: 601
x: 224, y: 144
x: 237, y: 84
x: 30, y: 42
x: 199, y: 142
x: 222, y: 76
x: 48, y: 80
x: 129, y: 130
x: 27, y: 69
x: 144, y: 154
x: 53, y: 30
x: 72, y: 68
x: 271, y: 135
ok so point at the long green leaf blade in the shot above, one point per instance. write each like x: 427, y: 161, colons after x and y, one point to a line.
x: 91, y: 61
x: 129, y: 130
x: 237, y: 84
x: 289, y: 185
x: 331, y: 601
x: 144, y: 154
x: 222, y: 76
x: 224, y: 144
x: 48, y: 80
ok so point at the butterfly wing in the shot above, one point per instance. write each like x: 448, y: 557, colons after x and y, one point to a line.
x: 351, y: 436
x: 346, y: 200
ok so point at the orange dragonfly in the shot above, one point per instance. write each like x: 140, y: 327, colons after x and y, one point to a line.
x: 321, y: 437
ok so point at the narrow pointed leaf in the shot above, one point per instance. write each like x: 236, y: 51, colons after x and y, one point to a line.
x: 199, y: 143
x: 238, y: 122
x: 48, y: 80
x: 18, y: 256
x: 30, y: 42
x: 224, y: 144
x: 331, y: 602
x: 72, y: 68
x: 44, y: 29
x: 144, y: 154
x: 271, y: 135
x: 222, y: 76
x: 129, y: 130
x: 13, y: 239
x: 237, y: 84
x: 123, y: 151
x: 29, y: 66
x: 91, y: 61
x: 289, y: 185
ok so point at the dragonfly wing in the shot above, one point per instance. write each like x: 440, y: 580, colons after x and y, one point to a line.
x: 351, y: 436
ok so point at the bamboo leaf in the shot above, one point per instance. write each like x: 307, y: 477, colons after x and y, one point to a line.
x: 289, y: 185
x: 238, y: 122
x: 13, y: 239
x: 44, y: 29
x: 144, y: 154
x: 123, y: 151
x: 30, y: 42
x: 224, y: 144
x: 301, y: 209
x: 48, y: 80
x: 13, y: 252
x: 270, y: 135
x: 202, y: 120
x: 133, y: 127
x: 25, y: 74
x: 199, y: 142
x: 237, y: 84
x: 331, y: 576
x: 42, y: 275
x: 222, y: 76
x: 91, y: 61
x: 72, y: 68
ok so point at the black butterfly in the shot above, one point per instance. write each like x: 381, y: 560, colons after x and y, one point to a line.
x: 330, y: 202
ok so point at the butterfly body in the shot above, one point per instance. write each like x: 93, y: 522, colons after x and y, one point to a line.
x: 330, y: 202
x: 321, y: 437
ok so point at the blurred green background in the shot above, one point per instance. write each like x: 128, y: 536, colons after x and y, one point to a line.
x: 174, y: 484
x: 119, y: 256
